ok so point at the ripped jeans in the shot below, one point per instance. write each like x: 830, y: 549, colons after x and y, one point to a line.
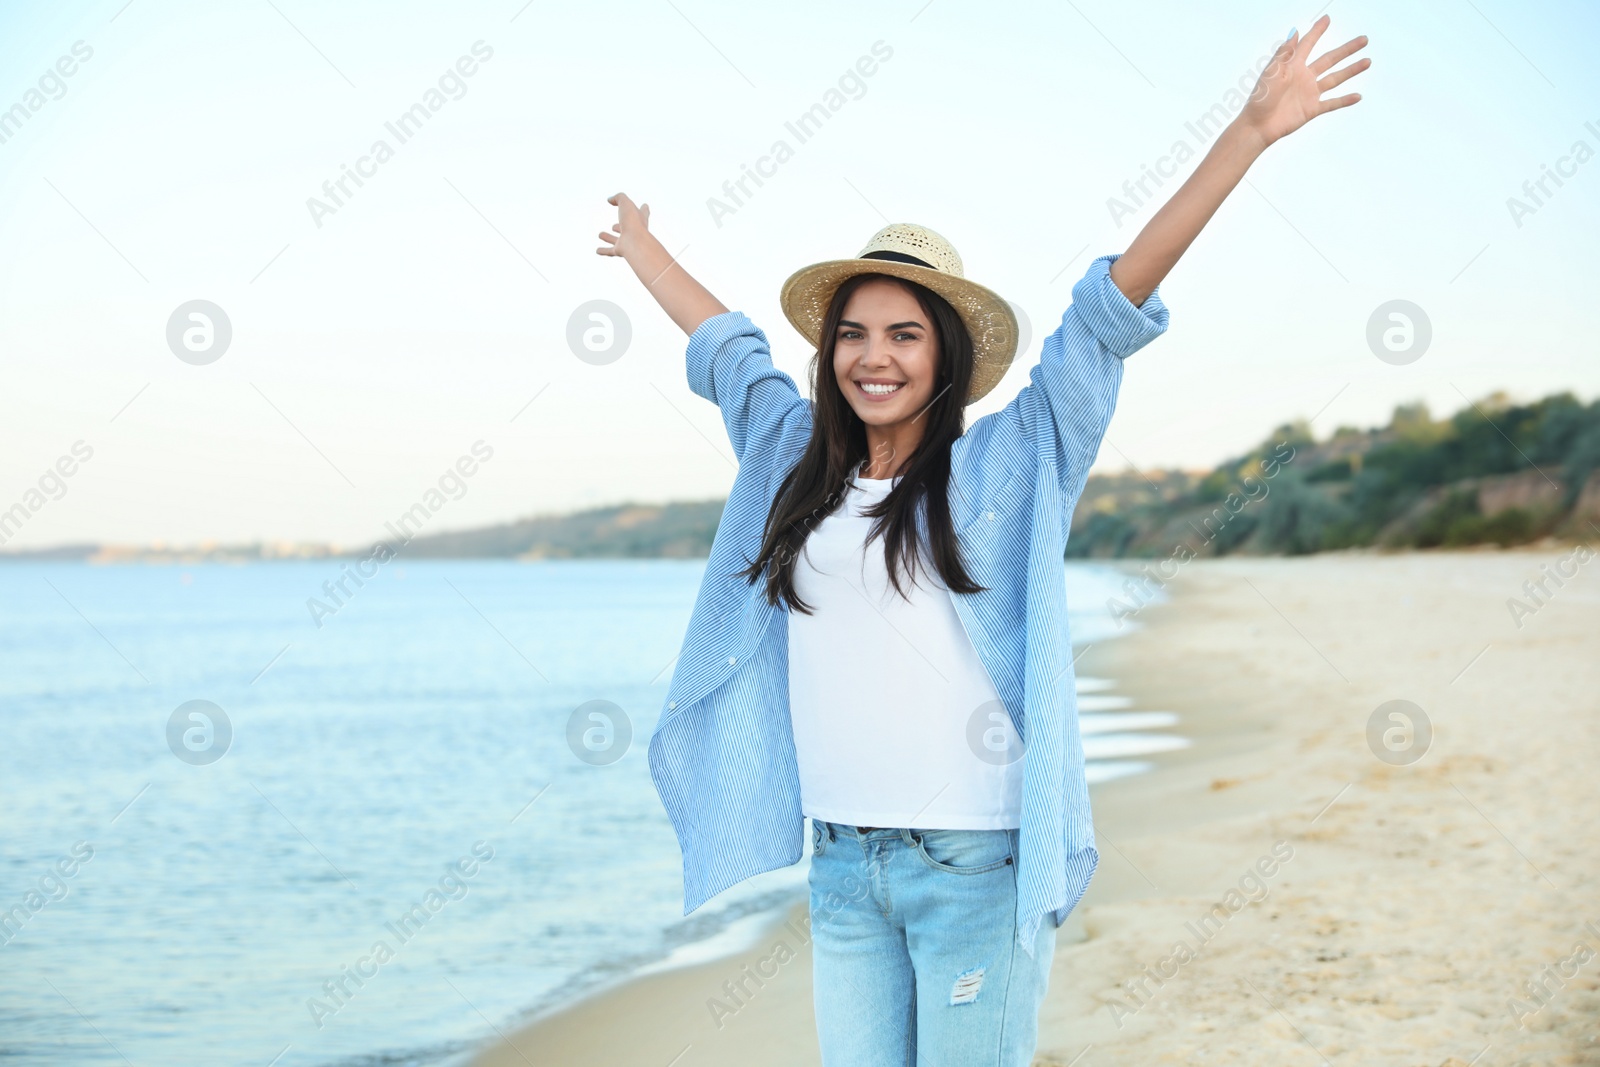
x: 914, y: 949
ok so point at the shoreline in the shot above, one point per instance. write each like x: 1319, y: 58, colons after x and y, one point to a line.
x: 577, y: 1031
x: 1274, y: 885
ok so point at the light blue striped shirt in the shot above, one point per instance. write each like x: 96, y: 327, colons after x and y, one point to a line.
x: 722, y: 753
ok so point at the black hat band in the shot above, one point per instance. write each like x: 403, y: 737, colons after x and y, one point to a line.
x: 899, y: 257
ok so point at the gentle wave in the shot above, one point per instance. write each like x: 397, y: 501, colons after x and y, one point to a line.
x: 231, y: 912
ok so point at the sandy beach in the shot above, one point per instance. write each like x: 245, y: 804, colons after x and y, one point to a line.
x: 1277, y: 893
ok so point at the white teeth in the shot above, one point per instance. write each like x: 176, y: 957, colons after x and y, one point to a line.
x: 879, y: 390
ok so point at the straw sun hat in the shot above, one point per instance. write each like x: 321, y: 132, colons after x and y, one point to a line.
x: 917, y: 254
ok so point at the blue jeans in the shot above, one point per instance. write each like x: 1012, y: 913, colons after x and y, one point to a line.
x: 914, y: 949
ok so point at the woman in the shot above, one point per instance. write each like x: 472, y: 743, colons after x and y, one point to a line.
x: 916, y: 700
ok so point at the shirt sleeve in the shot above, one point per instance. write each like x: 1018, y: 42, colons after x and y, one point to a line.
x: 1067, y: 405
x: 730, y: 364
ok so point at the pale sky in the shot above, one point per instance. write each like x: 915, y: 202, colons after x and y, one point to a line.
x: 370, y: 352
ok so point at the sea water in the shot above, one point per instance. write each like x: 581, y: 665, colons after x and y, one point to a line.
x: 384, y: 837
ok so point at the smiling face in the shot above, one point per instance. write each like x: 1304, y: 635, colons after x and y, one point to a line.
x: 886, y: 355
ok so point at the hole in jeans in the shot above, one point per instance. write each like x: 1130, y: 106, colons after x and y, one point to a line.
x: 965, y: 991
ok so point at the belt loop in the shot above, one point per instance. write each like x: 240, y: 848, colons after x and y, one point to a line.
x: 828, y: 826
x: 908, y: 837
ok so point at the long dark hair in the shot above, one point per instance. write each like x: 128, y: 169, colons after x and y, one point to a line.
x: 816, y: 484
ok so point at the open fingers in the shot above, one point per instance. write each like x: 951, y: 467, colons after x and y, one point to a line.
x: 1337, y: 102
x: 1342, y: 75
x: 1328, y: 59
x: 1309, y: 41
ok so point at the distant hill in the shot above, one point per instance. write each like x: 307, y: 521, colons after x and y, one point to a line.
x: 622, y: 531
x: 1493, y: 472
x: 629, y: 531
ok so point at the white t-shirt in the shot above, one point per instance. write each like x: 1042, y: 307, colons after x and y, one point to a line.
x: 896, y: 720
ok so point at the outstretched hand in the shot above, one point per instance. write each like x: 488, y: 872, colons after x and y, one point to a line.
x: 680, y: 296
x: 632, y: 223
x: 1289, y: 92
x: 1286, y: 97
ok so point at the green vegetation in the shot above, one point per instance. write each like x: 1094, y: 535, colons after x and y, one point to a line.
x: 1494, y: 472
x: 627, y: 531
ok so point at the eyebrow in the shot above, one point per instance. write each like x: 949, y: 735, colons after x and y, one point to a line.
x: 895, y: 326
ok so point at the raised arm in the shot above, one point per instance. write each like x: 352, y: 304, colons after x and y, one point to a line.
x: 728, y: 360
x: 1063, y: 411
x: 687, y: 301
x: 1116, y: 309
x: 1287, y: 96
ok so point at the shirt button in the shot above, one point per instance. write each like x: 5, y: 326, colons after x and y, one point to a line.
x: 672, y: 703
x: 989, y: 515
x: 731, y: 661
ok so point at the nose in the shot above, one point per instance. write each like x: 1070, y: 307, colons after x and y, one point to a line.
x: 875, y: 354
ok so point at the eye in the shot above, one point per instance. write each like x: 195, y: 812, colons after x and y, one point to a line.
x: 907, y: 335
x: 849, y: 335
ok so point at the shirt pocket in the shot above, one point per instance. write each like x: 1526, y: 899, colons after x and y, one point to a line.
x: 996, y: 519
x: 998, y: 506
